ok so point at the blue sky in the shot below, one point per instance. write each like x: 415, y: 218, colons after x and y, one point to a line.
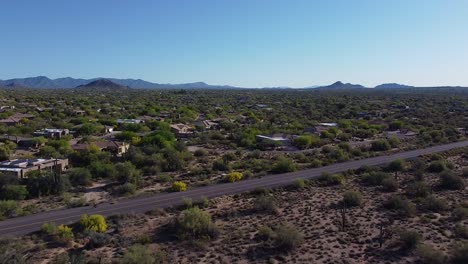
x: 249, y: 43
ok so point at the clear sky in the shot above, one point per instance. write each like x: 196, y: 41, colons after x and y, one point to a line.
x: 249, y: 43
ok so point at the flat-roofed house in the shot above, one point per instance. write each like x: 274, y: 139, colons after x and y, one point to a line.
x: 117, y: 148
x: 51, y: 133
x: 20, y: 167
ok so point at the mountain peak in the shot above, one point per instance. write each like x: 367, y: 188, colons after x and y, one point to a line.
x: 105, y: 84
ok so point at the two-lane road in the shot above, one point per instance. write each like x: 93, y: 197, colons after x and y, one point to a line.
x: 27, y: 224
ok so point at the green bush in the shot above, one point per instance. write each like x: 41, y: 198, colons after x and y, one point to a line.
x: 402, y: 206
x: 193, y: 223
x: 451, y: 181
x: 430, y: 255
x: 331, y: 179
x: 97, y: 240
x: 352, y: 198
x: 265, y: 233
x: 288, y: 237
x: 389, y: 185
x: 7, y: 208
x: 380, y: 145
x: 419, y: 189
x: 266, y: 203
x: 433, y: 204
x: 49, y: 228
x: 461, y: 231
x: 125, y: 189
x: 142, y: 254
x: 95, y: 223
x: 13, y: 192
x: 179, y: 186
x: 437, y: 166
x: 374, y: 178
x: 299, y: 183
x: 460, y: 213
x: 459, y: 253
x: 283, y: 165
x: 409, y: 239
x: 234, y: 176
x: 64, y: 234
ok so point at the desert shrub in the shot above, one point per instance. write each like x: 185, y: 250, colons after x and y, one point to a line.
x: 187, y: 202
x: 437, y: 166
x: 331, y: 179
x: 71, y: 258
x: 266, y: 203
x: 288, y: 237
x: 13, y: 192
x: 430, y: 255
x: 96, y: 223
x: 49, y: 228
x: 203, y: 202
x: 179, y: 186
x: 200, y: 153
x: 125, y: 189
x: 352, y: 198
x: 299, y: 183
x: 163, y: 178
x: 64, y: 234
x: 374, y: 178
x: 7, y: 208
x: 419, y: 189
x: 13, y: 251
x: 461, y: 231
x: 460, y: 213
x: 451, y: 181
x: 283, y: 165
x: 142, y: 254
x: 76, y: 202
x: 97, y: 240
x: 194, y: 223
x: 409, y: 239
x: 265, y: 233
x: 434, y: 204
x: 459, y: 253
x: 465, y: 172
x: 402, y: 206
x: 80, y: 177
x: 380, y: 145
x: 234, y: 176
x: 389, y: 185
x: 126, y: 172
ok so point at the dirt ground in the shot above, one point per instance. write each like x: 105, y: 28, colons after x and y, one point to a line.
x: 313, y: 210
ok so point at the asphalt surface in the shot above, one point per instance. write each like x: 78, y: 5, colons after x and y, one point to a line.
x: 31, y: 223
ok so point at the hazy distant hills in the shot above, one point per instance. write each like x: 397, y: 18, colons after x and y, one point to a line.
x: 69, y: 82
x: 393, y: 86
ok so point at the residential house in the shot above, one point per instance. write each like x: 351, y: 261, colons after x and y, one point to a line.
x: 79, y: 112
x: 117, y: 148
x: 20, y: 167
x: 182, y: 130
x: 129, y: 121
x: 22, y: 142
x: 15, y: 119
x: 54, y: 133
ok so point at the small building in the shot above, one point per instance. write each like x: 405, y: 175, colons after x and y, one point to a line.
x: 276, y: 139
x: 20, y: 167
x: 182, y: 130
x: 51, y: 133
x: 79, y: 112
x: 22, y: 142
x: 211, y: 124
x: 15, y: 119
x: 117, y: 148
x: 129, y: 121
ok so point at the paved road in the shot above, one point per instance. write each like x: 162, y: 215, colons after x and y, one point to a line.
x: 27, y: 224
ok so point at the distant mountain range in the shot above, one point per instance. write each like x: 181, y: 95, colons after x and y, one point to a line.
x: 113, y: 83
